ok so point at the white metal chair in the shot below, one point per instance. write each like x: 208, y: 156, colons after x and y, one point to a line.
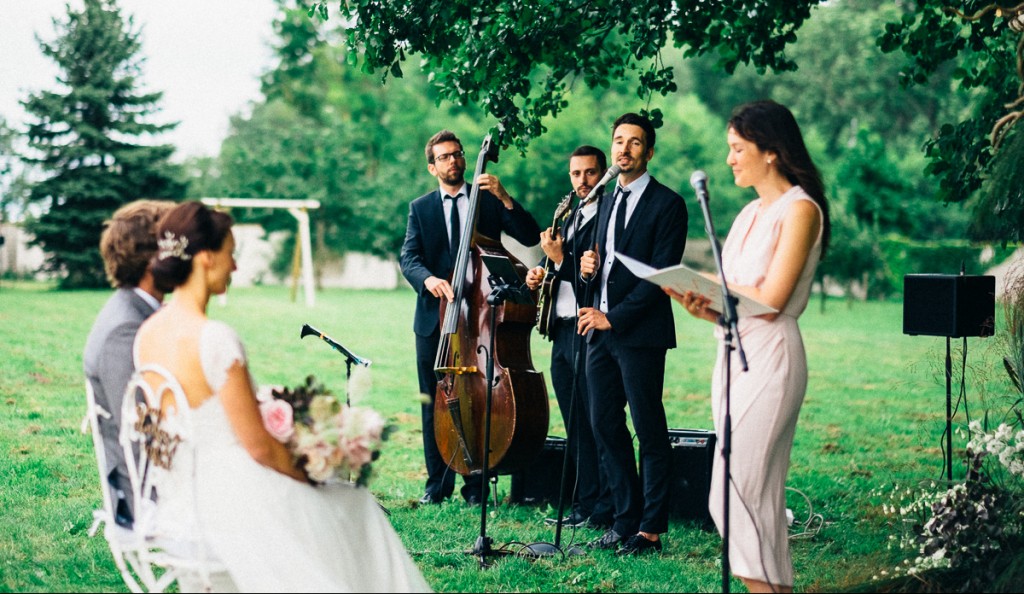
x: 168, y: 545
x: 120, y: 540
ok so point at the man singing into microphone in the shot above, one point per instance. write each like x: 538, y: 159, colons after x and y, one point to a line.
x: 592, y: 503
x: 629, y: 327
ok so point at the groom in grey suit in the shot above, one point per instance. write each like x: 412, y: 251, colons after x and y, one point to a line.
x: 127, y: 244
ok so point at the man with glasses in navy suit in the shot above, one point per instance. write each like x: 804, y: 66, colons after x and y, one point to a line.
x: 437, y: 224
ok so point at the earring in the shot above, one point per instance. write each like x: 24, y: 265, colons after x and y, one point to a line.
x: 769, y: 161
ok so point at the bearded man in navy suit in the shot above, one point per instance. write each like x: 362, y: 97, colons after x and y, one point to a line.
x: 437, y: 223
x: 629, y: 327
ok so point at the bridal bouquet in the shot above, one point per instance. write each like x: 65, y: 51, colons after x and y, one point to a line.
x: 329, y: 439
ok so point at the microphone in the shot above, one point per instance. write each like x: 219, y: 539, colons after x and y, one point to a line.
x: 608, y: 175
x: 699, y: 181
x: 308, y: 330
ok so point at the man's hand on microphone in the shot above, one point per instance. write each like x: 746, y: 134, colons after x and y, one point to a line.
x: 589, y: 263
x: 439, y: 288
x: 591, y: 318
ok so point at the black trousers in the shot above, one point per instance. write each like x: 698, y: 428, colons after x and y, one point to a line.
x: 618, y: 376
x: 440, y: 478
x: 593, y: 498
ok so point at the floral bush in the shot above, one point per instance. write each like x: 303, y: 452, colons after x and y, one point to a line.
x: 970, y: 537
x: 973, y: 528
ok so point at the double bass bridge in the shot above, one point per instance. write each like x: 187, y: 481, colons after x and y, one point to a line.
x: 457, y: 370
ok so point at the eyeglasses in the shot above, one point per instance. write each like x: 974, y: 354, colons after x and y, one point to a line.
x: 449, y: 156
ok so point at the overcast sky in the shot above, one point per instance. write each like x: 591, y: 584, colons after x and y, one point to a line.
x: 205, y: 55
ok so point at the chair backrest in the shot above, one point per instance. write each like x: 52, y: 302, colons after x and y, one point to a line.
x: 156, y: 421
x: 157, y: 436
x: 93, y: 412
x: 120, y: 540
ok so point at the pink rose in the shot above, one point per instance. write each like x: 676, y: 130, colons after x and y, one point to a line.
x: 278, y: 418
x: 357, y: 452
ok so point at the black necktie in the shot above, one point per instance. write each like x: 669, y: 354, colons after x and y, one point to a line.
x: 620, y: 216
x: 456, y: 225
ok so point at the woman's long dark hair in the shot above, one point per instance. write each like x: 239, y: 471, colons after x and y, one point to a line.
x: 772, y: 127
x: 184, y: 231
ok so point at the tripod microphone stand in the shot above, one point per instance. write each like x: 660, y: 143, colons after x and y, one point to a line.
x: 545, y: 549
x: 350, y: 358
x: 728, y: 321
x: 503, y: 288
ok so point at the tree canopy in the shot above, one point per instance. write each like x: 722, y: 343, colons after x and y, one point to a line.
x: 986, y: 43
x: 518, y: 59
x: 519, y: 62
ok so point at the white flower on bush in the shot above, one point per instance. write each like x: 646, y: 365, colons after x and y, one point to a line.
x: 1003, y: 443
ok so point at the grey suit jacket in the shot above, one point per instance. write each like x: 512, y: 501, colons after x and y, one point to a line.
x: 108, y: 366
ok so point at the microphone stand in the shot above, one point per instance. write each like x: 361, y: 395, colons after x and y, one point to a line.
x: 500, y: 292
x: 543, y: 549
x: 350, y: 358
x: 728, y: 321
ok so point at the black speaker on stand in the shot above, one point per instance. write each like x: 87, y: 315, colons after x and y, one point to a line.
x: 953, y: 306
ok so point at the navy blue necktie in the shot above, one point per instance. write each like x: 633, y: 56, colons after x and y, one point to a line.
x: 453, y: 246
x: 620, y: 216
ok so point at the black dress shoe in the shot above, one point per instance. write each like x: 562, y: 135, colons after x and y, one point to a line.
x: 430, y: 499
x: 472, y: 500
x: 609, y: 540
x: 638, y: 545
x: 573, y: 520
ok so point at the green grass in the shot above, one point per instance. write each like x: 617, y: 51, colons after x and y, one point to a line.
x: 874, y: 414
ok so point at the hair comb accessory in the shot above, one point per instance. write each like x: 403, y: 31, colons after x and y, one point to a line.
x: 172, y: 247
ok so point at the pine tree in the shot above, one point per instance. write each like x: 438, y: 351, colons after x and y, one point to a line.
x: 88, y: 140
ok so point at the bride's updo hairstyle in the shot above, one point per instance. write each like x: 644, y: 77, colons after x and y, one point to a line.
x: 184, y: 231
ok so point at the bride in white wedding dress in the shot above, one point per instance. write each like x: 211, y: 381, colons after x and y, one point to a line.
x: 255, y: 510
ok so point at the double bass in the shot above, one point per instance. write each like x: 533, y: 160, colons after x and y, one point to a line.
x: 518, y: 393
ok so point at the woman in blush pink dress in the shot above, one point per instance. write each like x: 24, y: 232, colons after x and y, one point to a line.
x: 771, y: 253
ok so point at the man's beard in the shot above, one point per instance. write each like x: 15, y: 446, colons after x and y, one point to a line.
x: 455, y: 178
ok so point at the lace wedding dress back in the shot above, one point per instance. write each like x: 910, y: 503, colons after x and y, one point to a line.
x: 271, y: 532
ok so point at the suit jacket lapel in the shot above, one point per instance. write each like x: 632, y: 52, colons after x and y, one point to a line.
x: 637, y: 216
x: 435, y: 220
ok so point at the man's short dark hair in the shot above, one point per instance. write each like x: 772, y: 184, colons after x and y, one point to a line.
x: 637, y: 120
x: 591, y: 151
x: 442, y: 136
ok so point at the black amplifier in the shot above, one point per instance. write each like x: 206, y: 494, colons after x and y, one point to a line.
x: 693, y: 452
x: 538, y: 483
